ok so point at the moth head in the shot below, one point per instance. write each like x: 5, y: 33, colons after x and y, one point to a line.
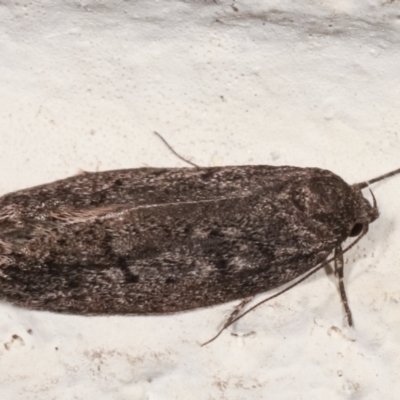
x: 368, y: 213
x: 337, y: 208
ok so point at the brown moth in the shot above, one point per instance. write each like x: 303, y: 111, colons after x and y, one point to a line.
x: 165, y: 240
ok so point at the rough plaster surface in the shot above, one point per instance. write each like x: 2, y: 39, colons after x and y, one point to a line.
x: 311, y: 83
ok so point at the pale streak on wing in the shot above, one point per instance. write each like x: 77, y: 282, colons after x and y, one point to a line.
x: 104, y: 213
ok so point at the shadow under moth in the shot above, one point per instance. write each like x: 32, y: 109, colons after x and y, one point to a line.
x: 165, y: 240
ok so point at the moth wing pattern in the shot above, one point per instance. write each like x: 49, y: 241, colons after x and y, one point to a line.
x: 154, y: 241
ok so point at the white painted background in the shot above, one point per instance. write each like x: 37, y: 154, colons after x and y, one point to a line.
x: 311, y: 83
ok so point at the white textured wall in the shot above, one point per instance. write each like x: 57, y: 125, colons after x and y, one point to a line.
x: 311, y: 83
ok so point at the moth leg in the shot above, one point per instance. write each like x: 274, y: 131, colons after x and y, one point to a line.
x: 338, y: 261
x: 237, y: 310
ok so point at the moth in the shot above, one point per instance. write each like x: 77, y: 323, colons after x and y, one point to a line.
x: 165, y: 240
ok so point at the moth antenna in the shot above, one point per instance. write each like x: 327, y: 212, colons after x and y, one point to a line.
x: 174, y: 152
x: 229, y: 323
x: 313, y: 271
x: 363, y: 185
